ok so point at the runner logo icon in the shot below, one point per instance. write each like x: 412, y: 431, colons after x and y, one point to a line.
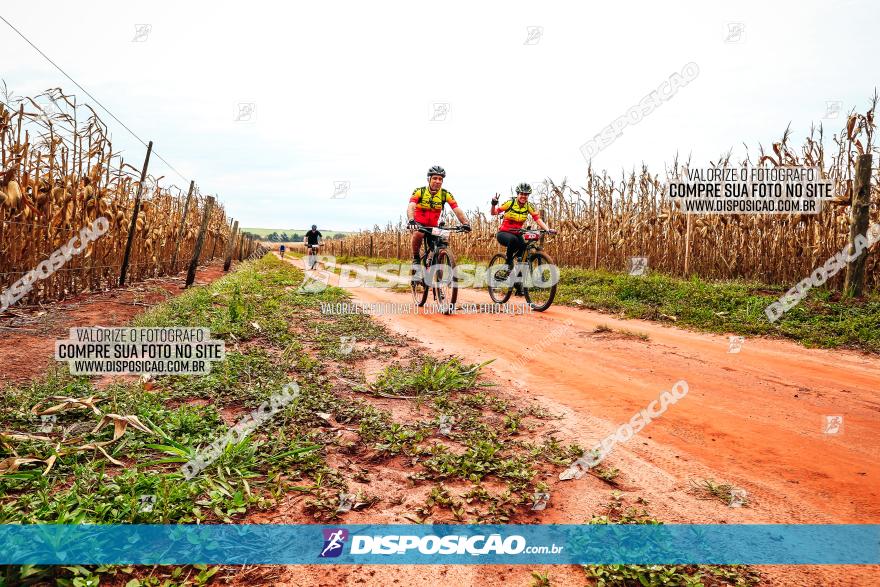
x: 334, y: 539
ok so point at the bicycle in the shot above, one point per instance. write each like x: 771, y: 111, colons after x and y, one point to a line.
x: 438, y: 264
x: 541, y: 274
x: 311, y: 258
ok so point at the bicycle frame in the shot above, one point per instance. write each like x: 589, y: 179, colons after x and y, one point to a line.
x: 430, y: 249
x: 431, y: 244
x: 312, y: 252
x: 531, y: 246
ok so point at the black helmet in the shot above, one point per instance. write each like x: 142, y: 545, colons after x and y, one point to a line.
x: 437, y: 170
x: 314, y: 227
x: 523, y: 188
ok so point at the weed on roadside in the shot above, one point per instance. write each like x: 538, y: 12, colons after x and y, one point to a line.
x: 429, y: 376
x: 723, y: 492
x: 660, y: 575
x: 540, y: 579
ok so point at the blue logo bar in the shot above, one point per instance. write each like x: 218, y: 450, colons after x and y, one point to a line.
x: 766, y: 544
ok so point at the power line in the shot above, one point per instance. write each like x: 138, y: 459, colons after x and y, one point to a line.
x: 95, y: 100
x: 68, y: 142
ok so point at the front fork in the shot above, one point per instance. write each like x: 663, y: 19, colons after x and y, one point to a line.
x: 519, y: 271
x: 431, y: 264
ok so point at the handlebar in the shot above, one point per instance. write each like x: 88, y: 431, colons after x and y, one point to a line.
x: 427, y: 229
x: 540, y: 230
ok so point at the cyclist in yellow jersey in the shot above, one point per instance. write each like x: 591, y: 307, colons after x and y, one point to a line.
x: 426, y: 206
x: 516, y: 211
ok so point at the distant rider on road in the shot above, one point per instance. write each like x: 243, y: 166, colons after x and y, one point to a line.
x: 313, y: 238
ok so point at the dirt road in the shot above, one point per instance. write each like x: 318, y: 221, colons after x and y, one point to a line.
x: 754, y: 419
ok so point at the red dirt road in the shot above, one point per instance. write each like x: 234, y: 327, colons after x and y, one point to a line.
x: 753, y: 419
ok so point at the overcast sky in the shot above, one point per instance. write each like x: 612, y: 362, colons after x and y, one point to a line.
x: 346, y: 91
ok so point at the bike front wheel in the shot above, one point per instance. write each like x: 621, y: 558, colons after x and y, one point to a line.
x: 540, y: 283
x: 497, y: 278
x: 444, y: 281
x: 311, y: 258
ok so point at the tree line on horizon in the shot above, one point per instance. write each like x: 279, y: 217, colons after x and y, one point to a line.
x: 283, y: 237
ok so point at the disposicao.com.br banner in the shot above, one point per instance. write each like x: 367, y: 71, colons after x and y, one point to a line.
x: 440, y: 544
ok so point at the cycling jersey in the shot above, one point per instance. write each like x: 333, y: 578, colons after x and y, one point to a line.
x: 516, y: 214
x: 429, y: 206
x: 312, y: 237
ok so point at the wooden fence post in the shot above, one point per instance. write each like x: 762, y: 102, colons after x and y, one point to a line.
x: 213, y: 247
x: 371, y: 246
x: 859, y: 216
x: 191, y: 274
x: 687, y: 245
x: 134, y: 215
x: 398, y: 244
x: 192, y: 184
x: 230, y: 247
x: 596, y: 240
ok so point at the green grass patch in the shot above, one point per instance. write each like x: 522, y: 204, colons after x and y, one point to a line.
x: 660, y: 575
x: 821, y: 320
x: 429, y: 376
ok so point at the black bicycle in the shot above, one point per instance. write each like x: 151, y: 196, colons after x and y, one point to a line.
x: 437, y: 265
x: 537, y: 277
x: 312, y: 256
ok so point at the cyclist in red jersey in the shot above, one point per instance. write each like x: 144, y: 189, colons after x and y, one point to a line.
x: 426, y: 206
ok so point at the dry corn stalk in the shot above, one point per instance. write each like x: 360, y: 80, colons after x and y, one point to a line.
x: 610, y: 219
x: 66, y: 403
x: 120, y: 423
x: 58, y: 173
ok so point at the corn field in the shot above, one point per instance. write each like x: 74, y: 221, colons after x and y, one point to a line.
x: 58, y: 173
x: 608, y: 220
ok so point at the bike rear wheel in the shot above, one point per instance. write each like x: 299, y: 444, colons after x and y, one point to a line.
x: 540, y: 283
x: 497, y: 280
x: 444, y: 281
